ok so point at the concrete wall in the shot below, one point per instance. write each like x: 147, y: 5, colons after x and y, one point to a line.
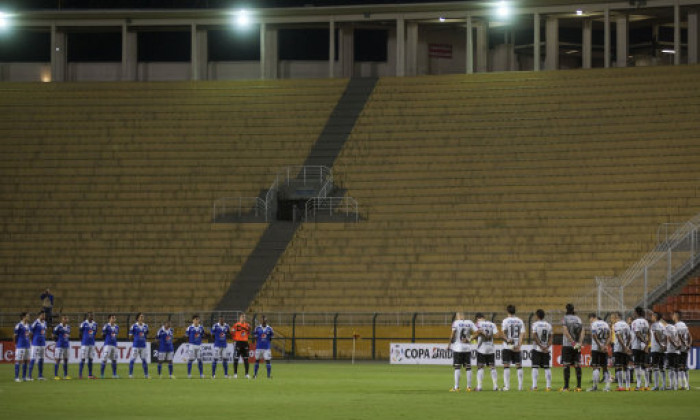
x: 25, y: 72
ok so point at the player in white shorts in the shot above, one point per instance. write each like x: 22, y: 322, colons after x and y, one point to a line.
x: 194, y: 334
x: 88, y: 331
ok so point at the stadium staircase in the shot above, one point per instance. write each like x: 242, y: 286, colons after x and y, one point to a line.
x: 488, y: 189
x: 274, y: 241
x: 106, y: 188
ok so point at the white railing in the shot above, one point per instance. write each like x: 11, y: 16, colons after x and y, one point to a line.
x: 309, y: 174
x: 653, y: 275
x: 331, y: 206
x: 238, y: 207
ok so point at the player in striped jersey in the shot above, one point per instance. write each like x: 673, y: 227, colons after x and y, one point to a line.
x: 486, y: 331
x: 658, y: 347
x: 685, y: 339
x: 512, y: 330
x: 462, y: 330
x: 600, y: 341
x: 621, y: 351
x: 639, y: 345
x: 542, y: 333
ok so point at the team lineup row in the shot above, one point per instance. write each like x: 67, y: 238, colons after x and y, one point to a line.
x: 30, y: 342
x: 638, y: 347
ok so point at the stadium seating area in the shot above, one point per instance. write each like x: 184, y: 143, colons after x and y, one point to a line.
x: 106, y: 190
x: 488, y: 189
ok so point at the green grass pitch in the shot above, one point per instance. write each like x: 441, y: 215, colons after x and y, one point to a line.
x: 323, y: 390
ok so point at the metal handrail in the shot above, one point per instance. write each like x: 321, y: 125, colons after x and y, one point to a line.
x: 302, y: 172
x: 673, y: 255
x: 331, y: 203
x: 255, y: 204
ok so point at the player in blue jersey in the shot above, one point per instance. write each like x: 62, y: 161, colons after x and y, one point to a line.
x: 38, y: 332
x: 139, y: 332
x: 263, y: 336
x: 165, y: 348
x: 219, y: 331
x: 22, y: 341
x: 194, y: 335
x: 88, y: 331
x: 61, y: 334
x: 110, y: 331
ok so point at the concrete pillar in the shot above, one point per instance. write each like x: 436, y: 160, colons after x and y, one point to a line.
x: 606, y: 36
x: 551, y: 61
x: 677, y: 33
x: 411, y: 48
x: 587, y: 47
x: 347, y: 50
x: 693, y: 37
x: 268, y: 52
x: 203, y: 49
x: 262, y: 50
x: 129, y: 54
x: 536, y: 53
x: 470, y: 45
x: 194, y: 53
x: 621, y: 22
x: 58, y: 55
x: 400, y: 47
x: 482, y: 47
x: 331, y: 49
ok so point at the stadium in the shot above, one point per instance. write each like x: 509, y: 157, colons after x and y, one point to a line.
x: 402, y: 197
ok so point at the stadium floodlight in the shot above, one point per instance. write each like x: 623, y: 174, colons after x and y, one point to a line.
x: 502, y: 9
x: 441, y: 18
x: 242, y: 18
x: 4, y: 20
x: 579, y: 13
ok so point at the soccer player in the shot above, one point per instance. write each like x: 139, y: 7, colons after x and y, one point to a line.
x: 512, y: 330
x: 22, y: 341
x: 219, y: 331
x: 263, y: 337
x: 600, y: 341
x: 462, y: 330
x: 139, y: 332
x: 640, y: 343
x: 110, y: 331
x: 485, y: 356
x: 165, y: 348
x: 542, y: 332
x: 571, y: 346
x: 241, y: 335
x: 62, y: 335
x: 658, y: 348
x: 686, y: 342
x: 88, y: 330
x: 673, y: 350
x: 621, y: 351
x: 38, y: 333
x: 194, y: 335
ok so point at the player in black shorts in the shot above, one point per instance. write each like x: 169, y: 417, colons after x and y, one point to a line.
x: 571, y: 347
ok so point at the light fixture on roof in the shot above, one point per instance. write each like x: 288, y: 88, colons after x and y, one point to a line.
x: 4, y: 20
x: 441, y: 18
x: 579, y: 13
x: 502, y: 9
x: 668, y: 51
x: 242, y: 18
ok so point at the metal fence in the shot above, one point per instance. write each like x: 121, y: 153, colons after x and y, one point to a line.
x: 228, y: 209
x: 673, y: 258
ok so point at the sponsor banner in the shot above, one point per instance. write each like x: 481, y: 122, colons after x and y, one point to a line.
x: 440, y: 50
x: 124, y: 350
x: 7, y: 352
x: 207, y: 349
x: 438, y: 354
